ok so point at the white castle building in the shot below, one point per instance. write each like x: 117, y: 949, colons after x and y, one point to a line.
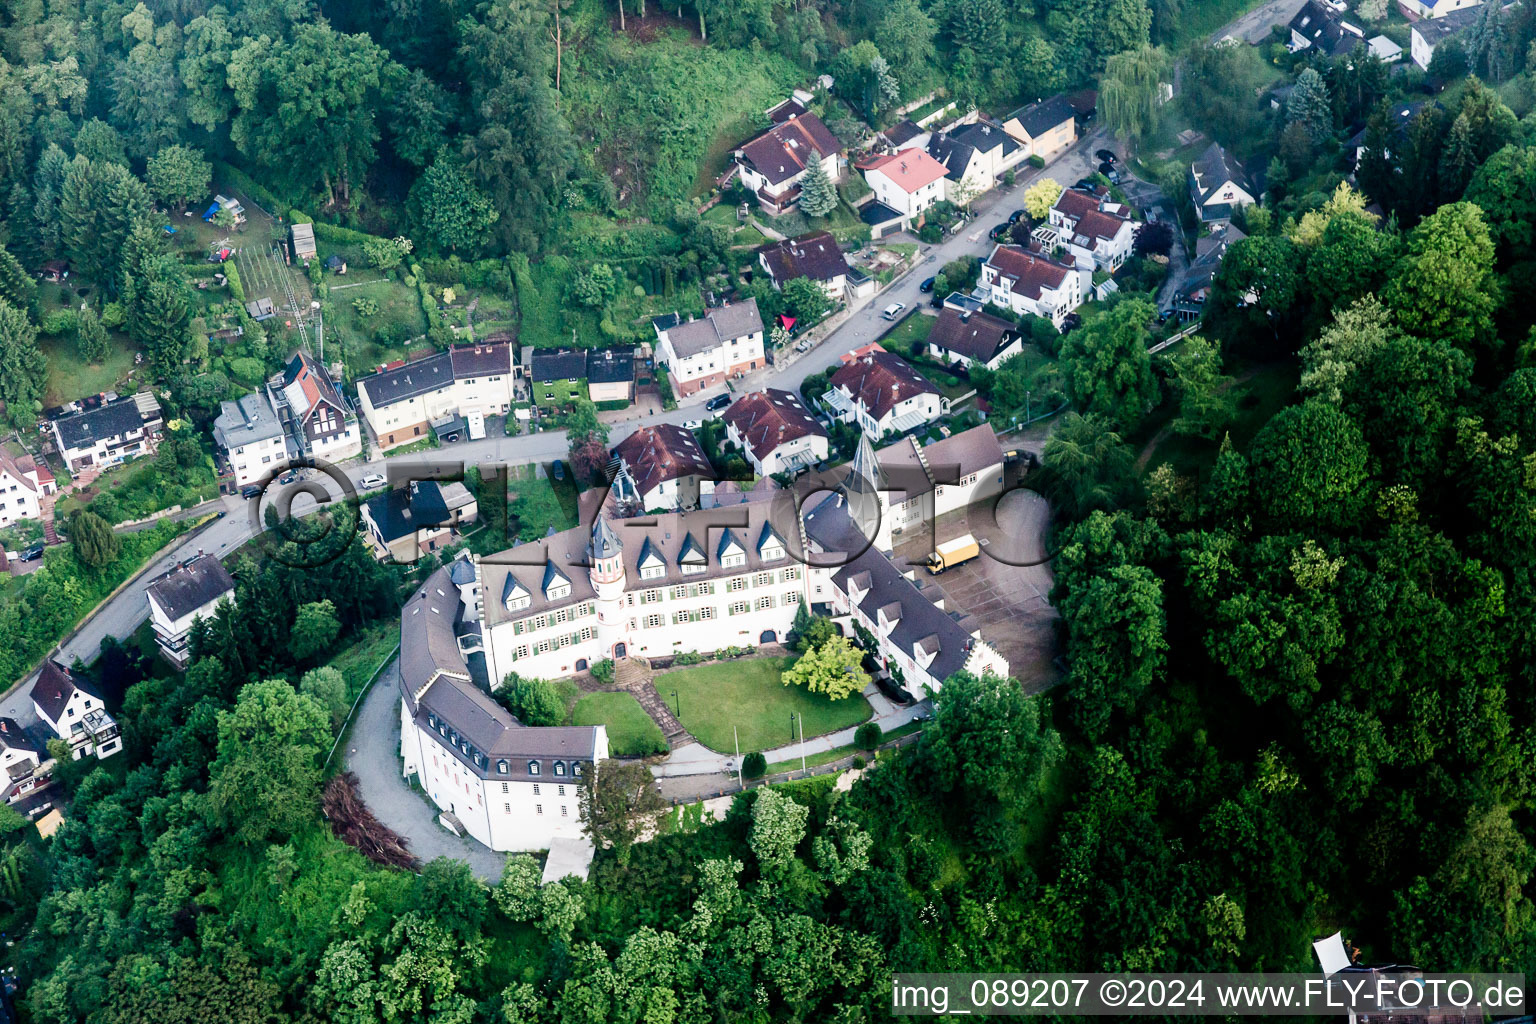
x: 655, y: 586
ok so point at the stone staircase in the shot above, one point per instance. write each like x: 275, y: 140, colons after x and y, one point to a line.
x: 45, y: 505
x: 634, y: 676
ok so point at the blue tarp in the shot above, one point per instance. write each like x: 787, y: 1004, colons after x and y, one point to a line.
x: 170, y: 230
x: 213, y: 211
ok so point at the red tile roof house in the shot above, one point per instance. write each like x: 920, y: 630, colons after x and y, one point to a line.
x: 971, y: 338
x: 1027, y: 281
x: 666, y: 464
x: 776, y: 431
x: 1098, y: 232
x: 882, y: 394
x: 23, y: 485
x: 816, y: 256
x: 909, y: 182
x: 773, y: 163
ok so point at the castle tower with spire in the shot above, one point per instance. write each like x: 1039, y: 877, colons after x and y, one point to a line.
x: 606, y: 555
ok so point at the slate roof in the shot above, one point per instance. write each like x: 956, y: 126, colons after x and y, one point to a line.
x: 483, y: 360
x: 423, y: 505
x: 1214, y: 168
x: 880, y: 381
x: 815, y: 255
x: 1437, y: 30
x: 248, y: 419
x: 954, y: 155
x: 662, y: 453
x: 1032, y: 273
x: 903, y: 131
x: 610, y: 365
x: 1322, y: 27
x: 1038, y: 118
x: 401, y: 383
x: 984, y: 136
x: 714, y: 328
x: 979, y: 336
x: 766, y: 419
x: 110, y: 419
x: 784, y: 150
x: 549, y: 364
x: 191, y: 585
x: 55, y: 686
x: 14, y: 737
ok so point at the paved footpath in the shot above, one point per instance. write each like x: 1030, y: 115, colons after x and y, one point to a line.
x: 373, y: 754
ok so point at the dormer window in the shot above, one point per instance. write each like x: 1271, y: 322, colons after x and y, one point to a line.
x: 559, y: 767
x: 533, y: 767
x: 576, y: 769
x: 501, y: 767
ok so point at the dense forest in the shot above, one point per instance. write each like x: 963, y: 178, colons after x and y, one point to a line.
x: 1301, y: 688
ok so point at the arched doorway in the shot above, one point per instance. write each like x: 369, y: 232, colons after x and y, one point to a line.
x: 768, y: 637
x: 619, y: 650
x: 581, y: 664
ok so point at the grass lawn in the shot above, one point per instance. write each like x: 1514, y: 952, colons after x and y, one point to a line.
x: 914, y: 328
x: 399, y: 317
x: 1199, y: 20
x: 365, y: 655
x: 631, y: 733
x: 70, y: 378
x: 836, y: 753
x: 750, y: 696
x: 1271, y: 387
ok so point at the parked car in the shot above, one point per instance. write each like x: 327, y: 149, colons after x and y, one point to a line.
x: 1085, y: 185
x: 558, y: 470
x: 1104, y: 156
x: 1070, y: 322
x: 717, y: 403
x: 1000, y: 231
x: 1016, y: 216
x: 250, y: 491
x: 926, y: 286
x: 33, y: 553
x: 894, y: 310
x: 937, y: 302
x: 693, y: 424
x: 289, y: 477
x: 371, y: 481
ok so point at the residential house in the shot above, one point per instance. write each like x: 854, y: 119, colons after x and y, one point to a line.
x: 406, y: 522
x: 976, y: 155
x: 557, y: 376
x: 318, y: 418
x: 25, y: 766
x: 1401, y: 117
x: 611, y: 374
x: 24, y: 483
x: 1433, y: 10
x: 403, y: 401
x: 815, y: 255
x: 882, y: 394
x: 904, y: 134
x: 1026, y: 280
x: 117, y: 429
x: 508, y: 785
x: 972, y: 339
x: 303, y: 242
x: 908, y: 182
x: 919, y: 483
x: 1218, y: 184
x: 1046, y: 128
x: 252, y: 443
x: 773, y: 164
x: 190, y: 591
x: 1209, y: 251
x: 74, y: 712
x: 1098, y: 232
x: 1384, y: 49
x: 1435, y: 29
x: 776, y: 431
x: 1319, y: 27
x: 666, y: 464
x: 725, y: 342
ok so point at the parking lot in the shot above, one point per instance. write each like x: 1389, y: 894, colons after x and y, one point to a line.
x: 1009, y: 600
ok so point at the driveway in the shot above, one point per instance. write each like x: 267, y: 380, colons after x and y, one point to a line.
x: 373, y: 754
x: 1254, y: 26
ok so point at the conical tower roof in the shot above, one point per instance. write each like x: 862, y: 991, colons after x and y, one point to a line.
x: 605, y: 540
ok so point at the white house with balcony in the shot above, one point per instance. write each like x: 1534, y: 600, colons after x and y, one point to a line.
x: 24, y: 483
x: 190, y: 591
x: 1099, y: 232
x: 881, y: 393
x: 1026, y: 280
x: 74, y: 712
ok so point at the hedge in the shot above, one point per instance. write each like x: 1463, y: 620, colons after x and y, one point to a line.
x: 236, y: 288
x: 300, y: 217
x: 1036, y: 160
x: 336, y: 233
x: 242, y: 182
x: 613, y: 406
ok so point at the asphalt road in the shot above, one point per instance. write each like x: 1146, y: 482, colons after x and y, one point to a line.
x: 122, y: 614
x: 1254, y: 26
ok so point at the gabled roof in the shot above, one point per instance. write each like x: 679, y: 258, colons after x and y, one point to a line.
x: 1214, y: 168
x: 20, y: 468
x: 605, y: 542
x: 692, y: 552
x: 551, y: 364
x: 815, y: 255
x: 766, y: 419
x: 953, y: 154
x: 977, y: 336
x: 1039, y: 118
x: 55, y: 686
x: 903, y: 131
x: 610, y: 365
x: 729, y: 543
x: 984, y: 136
x: 422, y: 506
x: 1031, y: 272
x: 1437, y: 30
x: 662, y: 453
x: 408, y: 380
x: 110, y: 419
x: 909, y: 169
x: 303, y: 377
x: 191, y: 585
x: 716, y: 327
x: 880, y: 381
x: 784, y: 150
x: 912, y: 468
x: 1324, y: 29
x: 483, y: 360
x: 553, y: 578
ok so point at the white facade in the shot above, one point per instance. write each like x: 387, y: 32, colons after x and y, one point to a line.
x: 84, y: 723
x: 512, y: 814
x: 810, y: 449
x: 21, y: 491
x: 1044, y: 299
x: 897, y: 196
x: 171, y: 634
x: 731, y: 355
x: 1435, y: 8
x: 258, y: 460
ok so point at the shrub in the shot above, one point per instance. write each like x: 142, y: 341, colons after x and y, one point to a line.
x: 603, y: 671
x: 858, y: 762
x: 930, y: 232
x: 867, y: 736
x: 688, y: 658
x: 1036, y: 160
x: 754, y: 765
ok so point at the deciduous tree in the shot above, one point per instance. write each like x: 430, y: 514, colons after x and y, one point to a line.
x: 833, y: 669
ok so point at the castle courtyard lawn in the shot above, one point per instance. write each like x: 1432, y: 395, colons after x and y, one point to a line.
x: 631, y: 733
x: 749, y: 694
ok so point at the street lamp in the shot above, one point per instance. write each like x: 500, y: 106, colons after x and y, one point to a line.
x: 679, y: 702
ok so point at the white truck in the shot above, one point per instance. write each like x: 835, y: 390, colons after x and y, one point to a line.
x: 952, y: 553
